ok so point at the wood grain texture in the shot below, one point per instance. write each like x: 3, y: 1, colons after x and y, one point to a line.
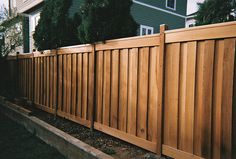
x: 60, y: 82
x: 106, y: 88
x: 91, y: 86
x: 187, y: 96
x: 152, y: 95
x: 85, y: 86
x: 132, y: 91
x: 99, y: 86
x: 217, y: 99
x: 203, y: 115
x: 171, y: 94
x: 123, y: 85
x: 227, y: 102
x: 79, y: 85
x: 74, y: 84
x: 142, y: 92
x: 114, y: 88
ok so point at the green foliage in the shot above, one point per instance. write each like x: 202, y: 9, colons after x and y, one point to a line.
x: 106, y: 19
x: 55, y: 28
x: 215, y: 11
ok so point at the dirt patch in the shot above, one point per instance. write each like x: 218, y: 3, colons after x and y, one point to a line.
x: 107, y: 144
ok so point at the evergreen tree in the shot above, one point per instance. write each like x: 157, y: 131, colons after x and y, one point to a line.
x: 106, y: 19
x: 55, y: 28
x: 214, y: 11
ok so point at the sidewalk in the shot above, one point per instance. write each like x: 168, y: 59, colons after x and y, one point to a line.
x: 18, y: 143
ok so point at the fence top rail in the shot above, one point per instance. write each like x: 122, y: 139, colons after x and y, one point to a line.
x: 131, y: 42
x: 206, y: 32
x: 25, y: 56
x: 11, y: 57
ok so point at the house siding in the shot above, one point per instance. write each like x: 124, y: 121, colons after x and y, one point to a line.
x: 155, y: 18
x: 181, y: 5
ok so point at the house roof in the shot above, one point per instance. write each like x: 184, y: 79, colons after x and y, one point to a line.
x: 31, y: 4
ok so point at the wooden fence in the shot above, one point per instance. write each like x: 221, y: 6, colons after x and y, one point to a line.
x: 171, y: 93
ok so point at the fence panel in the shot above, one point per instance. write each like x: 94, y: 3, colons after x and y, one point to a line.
x: 126, y: 89
x: 117, y: 87
x: 45, y: 78
x: 199, y: 71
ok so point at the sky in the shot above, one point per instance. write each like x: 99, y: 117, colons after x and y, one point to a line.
x: 192, y: 6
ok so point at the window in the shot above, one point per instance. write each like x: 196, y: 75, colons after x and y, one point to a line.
x: 171, y: 4
x: 146, y: 30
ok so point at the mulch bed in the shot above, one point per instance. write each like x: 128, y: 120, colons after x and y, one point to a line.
x: 116, y: 148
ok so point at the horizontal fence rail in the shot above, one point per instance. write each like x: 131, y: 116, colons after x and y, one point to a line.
x: 171, y: 93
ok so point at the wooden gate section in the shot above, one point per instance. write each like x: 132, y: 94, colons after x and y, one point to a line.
x: 198, y: 92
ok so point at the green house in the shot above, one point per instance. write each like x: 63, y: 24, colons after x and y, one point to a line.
x: 149, y: 14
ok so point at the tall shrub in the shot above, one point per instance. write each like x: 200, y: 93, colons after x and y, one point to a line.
x: 106, y: 19
x: 55, y: 28
x: 215, y: 11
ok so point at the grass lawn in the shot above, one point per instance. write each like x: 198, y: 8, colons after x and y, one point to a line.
x: 17, y: 143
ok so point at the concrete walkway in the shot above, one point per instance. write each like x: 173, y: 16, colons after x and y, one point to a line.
x: 17, y: 143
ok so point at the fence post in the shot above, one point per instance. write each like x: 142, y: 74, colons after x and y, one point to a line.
x: 160, y: 84
x: 94, y: 89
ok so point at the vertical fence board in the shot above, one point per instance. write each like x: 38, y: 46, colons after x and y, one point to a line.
x: 132, y: 91
x: 171, y: 94
x: 217, y: 99
x: 79, y: 86
x: 74, y: 84
x: 142, y: 92
x: 48, y: 82
x: 186, y: 106
x: 64, y: 83
x: 114, y: 88
x: 68, y: 103
x: 152, y: 95
x: 60, y: 82
x: 227, y: 97
x: 90, y: 86
x: 123, y: 85
x: 85, y: 86
x: 51, y: 82
x: 106, y: 88
x: 204, y: 100
x: 55, y: 82
x: 99, y: 82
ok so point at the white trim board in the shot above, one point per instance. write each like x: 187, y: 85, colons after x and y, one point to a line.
x: 156, y: 8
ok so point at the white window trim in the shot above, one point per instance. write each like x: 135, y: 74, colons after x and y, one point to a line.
x: 146, y: 27
x: 170, y: 7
